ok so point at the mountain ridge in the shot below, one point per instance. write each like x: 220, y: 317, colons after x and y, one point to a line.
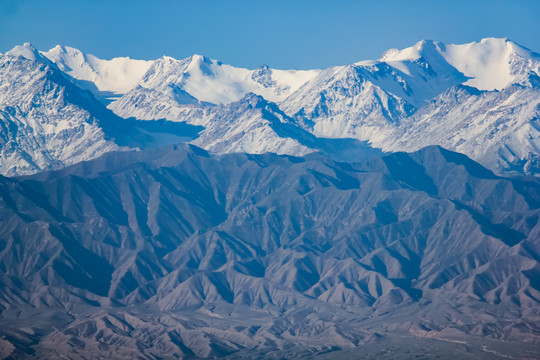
x: 267, y: 250
x: 384, y: 103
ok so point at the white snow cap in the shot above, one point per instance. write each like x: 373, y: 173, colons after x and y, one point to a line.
x: 488, y: 63
x: 26, y: 50
x: 117, y: 75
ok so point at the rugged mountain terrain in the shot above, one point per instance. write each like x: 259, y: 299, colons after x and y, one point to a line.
x: 415, y: 97
x: 106, y: 79
x: 52, y: 122
x: 481, y: 99
x: 292, y: 234
x: 197, y: 77
x: 47, y: 121
x: 500, y: 129
x: 255, y: 125
x: 175, y: 252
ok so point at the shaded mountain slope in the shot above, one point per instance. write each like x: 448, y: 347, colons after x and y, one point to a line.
x: 500, y: 129
x: 184, y: 253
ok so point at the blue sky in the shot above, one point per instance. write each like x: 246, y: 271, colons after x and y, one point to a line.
x: 281, y: 34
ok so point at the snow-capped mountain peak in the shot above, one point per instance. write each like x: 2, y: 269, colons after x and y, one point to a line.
x: 368, y: 100
x: 408, y: 54
x: 490, y: 64
x: 198, y: 60
x: 27, y: 51
x: 107, y: 79
x: 211, y: 81
x: 205, y: 79
x: 201, y: 66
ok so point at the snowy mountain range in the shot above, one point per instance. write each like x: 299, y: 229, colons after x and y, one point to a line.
x: 192, y: 209
x: 481, y: 99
